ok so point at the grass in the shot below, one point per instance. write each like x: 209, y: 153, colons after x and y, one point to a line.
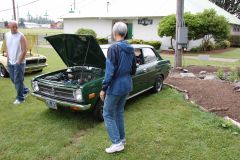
x: 232, y: 54
x: 188, y: 61
x: 158, y: 126
x: 37, y: 31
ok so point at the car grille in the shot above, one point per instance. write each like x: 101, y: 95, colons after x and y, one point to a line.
x: 56, y: 92
x: 35, y: 61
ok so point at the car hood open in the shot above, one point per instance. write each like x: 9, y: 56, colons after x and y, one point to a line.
x: 78, y: 50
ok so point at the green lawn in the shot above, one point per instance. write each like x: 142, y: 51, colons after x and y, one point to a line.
x: 158, y: 126
x: 234, y: 53
x: 188, y: 61
x: 37, y: 31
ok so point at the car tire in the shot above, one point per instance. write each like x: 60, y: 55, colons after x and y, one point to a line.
x: 158, y: 85
x: 3, y: 71
x: 98, y: 111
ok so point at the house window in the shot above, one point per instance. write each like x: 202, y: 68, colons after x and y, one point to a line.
x: 236, y: 28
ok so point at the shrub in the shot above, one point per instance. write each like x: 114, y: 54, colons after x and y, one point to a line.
x: 155, y: 44
x: 86, y: 31
x: 234, y: 75
x: 220, y: 73
x: 223, y: 44
x: 235, y: 41
x: 207, y: 46
x: 196, y: 49
x: 102, y: 40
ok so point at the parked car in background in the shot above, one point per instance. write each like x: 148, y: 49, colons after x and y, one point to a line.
x: 34, y: 61
x: 78, y: 86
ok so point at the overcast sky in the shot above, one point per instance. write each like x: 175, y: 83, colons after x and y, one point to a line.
x: 54, y: 8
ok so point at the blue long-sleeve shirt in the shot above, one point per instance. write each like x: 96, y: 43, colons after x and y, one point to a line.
x: 120, y: 65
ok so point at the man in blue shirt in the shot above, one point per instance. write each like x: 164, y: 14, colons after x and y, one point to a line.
x: 120, y: 65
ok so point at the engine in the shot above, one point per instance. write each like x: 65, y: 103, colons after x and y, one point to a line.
x: 76, y: 75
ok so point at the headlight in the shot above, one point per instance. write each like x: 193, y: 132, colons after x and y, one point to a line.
x: 77, y: 94
x: 35, y: 86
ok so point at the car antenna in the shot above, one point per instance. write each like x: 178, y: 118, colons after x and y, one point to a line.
x: 85, y: 58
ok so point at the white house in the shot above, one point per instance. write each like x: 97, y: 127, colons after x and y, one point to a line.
x: 141, y: 16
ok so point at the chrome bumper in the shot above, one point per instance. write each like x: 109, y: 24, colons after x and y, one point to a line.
x: 63, y: 103
x: 35, y: 67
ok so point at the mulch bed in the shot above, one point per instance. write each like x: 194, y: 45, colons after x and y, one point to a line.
x: 215, y: 96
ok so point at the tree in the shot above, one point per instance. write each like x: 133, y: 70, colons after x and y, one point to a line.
x: 167, y: 27
x: 206, y: 25
x: 212, y: 26
x: 232, y: 6
x: 86, y: 31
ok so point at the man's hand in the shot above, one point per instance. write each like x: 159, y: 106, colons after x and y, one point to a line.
x: 102, y: 95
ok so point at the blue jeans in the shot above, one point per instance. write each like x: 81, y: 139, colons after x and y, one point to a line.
x: 16, y: 73
x: 113, y: 114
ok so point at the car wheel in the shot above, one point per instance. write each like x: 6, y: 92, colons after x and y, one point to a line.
x: 158, y: 85
x: 98, y: 111
x: 3, y: 71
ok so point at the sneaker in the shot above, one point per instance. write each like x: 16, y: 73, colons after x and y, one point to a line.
x: 17, y: 102
x: 123, y: 141
x: 115, y: 148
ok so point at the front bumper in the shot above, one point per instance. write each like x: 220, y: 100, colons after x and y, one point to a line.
x: 82, y: 107
x: 33, y: 68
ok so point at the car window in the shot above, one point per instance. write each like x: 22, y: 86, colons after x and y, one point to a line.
x: 139, y: 56
x: 149, y: 55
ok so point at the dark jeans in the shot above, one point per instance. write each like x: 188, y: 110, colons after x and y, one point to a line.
x: 113, y: 114
x: 16, y: 73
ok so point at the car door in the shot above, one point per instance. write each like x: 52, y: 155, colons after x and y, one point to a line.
x: 138, y: 78
x: 149, y: 67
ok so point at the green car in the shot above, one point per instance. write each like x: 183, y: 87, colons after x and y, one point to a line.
x: 78, y: 86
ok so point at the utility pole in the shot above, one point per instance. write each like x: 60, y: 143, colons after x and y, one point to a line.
x: 18, y: 16
x: 74, y: 5
x: 179, y: 23
x: 14, y: 10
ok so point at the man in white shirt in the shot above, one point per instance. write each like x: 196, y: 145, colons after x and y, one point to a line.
x: 16, y: 52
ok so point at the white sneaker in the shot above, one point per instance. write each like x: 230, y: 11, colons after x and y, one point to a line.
x: 115, y: 148
x: 123, y: 141
x: 17, y: 102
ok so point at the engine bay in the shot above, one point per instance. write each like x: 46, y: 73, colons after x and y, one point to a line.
x: 76, y: 75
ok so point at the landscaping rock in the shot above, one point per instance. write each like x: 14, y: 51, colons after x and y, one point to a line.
x: 210, y: 77
x: 188, y: 75
x: 203, y: 72
x: 237, y: 87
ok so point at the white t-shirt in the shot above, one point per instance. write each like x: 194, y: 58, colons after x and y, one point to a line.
x: 13, y: 42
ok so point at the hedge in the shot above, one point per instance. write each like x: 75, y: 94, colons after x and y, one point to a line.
x: 235, y: 41
x: 86, y: 31
x: 155, y: 44
x: 102, y: 40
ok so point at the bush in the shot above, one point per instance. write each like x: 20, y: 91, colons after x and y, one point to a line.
x: 196, y: 49
x: 208, y: 46
x: 86, y: 31
x: 155, y: 44
x: 220, y: 73
x: 235, y: 41
x: 102, y: 40
x: 223, y: 44
x: 234, y: 75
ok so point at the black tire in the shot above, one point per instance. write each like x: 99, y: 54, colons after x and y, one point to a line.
x: 98, y: 111
x: 3, y: 71
x: 158, y: 85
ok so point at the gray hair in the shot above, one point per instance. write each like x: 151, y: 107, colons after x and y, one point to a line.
x: 120, y: 28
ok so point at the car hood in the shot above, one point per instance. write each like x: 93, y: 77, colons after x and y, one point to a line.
x: 78, y: 50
